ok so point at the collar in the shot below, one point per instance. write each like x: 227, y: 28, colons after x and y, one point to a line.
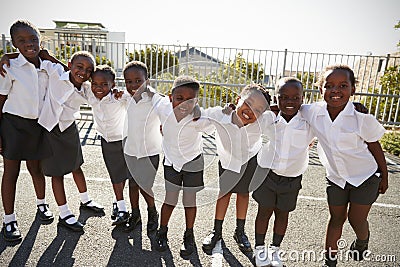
x: 280, y: 119
x: 21, y: 60
x: 347, y: 111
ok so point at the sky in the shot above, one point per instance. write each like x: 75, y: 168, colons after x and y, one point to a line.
x: 335, y: 26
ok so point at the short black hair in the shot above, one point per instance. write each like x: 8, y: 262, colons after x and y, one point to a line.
x: 105, y: 69
x: 186, y: 81
x: 248, y: 89
x: 285, y: 80
x: 137, y: 65
x: 344, y: 67
x: 83, y: 54
x: 22, y: 24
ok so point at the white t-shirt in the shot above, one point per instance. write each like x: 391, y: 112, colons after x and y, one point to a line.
x: 62, y: 100
x: 143, y: 136
x: 181, y: 141
x: 25, y: 87
x: 342, y: 146
x: 286, y: 152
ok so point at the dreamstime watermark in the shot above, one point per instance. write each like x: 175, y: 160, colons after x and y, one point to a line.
x: 342, y: 254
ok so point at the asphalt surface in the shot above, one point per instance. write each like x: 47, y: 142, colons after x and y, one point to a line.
x: 104, y: 245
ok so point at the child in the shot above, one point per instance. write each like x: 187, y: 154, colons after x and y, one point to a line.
x: 65, y: 95
x: 183, y: 161
x: 109, y: 116
x: 237, y: 149
x: 281, y: 163
x: 142, y: 145
x: 22, y: 94
x: 347, y: 139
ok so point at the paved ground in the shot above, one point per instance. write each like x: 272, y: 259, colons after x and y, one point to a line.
x: 104, y: 245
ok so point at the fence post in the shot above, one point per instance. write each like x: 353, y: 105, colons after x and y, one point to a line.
x: 284, y: 63
x: 94, y: 48
x: 3, y: 41
x: 378, y: 101
x: 187, y: 59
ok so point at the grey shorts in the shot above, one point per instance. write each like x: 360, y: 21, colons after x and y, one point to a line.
x: 185, y: 179
x: 143, y: 170
x: 365, y: 194
x: 277, y: 191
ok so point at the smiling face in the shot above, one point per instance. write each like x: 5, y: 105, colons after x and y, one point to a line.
x: 102, y: 83
x: 250, y: 106
x: 337, y: 89
x: 183, y: 100
x: 134, y: 78
x: 27, y: 41
x: 81, y: 69
x: 290, y: 98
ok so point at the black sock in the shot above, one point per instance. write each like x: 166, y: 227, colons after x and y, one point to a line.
x: 240, y: 224
x: 218, y: 226
x: 163, y: 228
x: 188, y: 231
x: 361, y: 244
x: 136, y: 211
x: 151, y: 210
x: 277, y: 240
x: 330, y: 259
x: 260, y: 239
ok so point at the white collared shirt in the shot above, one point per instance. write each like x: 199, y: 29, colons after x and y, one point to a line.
x: 109, y: 115
x: 286, y: 152
x: 235, y: 146
x: 25, y: 87
x: 62, y: 100
x: 181, y: 141
x: 341, y: 143
x: 143, y: 136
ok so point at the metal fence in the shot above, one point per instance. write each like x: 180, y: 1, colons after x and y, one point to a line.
x: 224, y: 71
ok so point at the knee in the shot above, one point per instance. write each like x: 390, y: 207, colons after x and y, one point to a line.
x: 337, y: 220
x: 264, y: 212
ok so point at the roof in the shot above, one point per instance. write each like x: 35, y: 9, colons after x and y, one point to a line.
x: 77, y: 24
x: 194, y: 51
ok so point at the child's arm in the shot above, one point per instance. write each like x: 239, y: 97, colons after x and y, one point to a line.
x: 44, y: 55
x: 5, y: 60
x: 3, y: 99
x: 376, y: 150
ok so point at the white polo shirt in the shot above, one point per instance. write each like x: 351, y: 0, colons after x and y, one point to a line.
x: 109, y: 115
x: 235, y: 146
x: 341, y: 143
x: 143, y: 136
x: 181, y: 141
x: 25, y: 86
x: 286, y: 152
x: 62, y: 100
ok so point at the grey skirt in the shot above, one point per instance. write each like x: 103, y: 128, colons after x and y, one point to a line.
x: 67, y: 151
x: 113, y: 155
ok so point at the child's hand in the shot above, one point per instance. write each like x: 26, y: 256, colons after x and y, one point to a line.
x: 228, y: 108
x: 44, y: 55
x: 138, y: 93
x: 383, y: 185
x: 360, y: 107
x: 196, y: 112
x: 117, y: 94
x: 274, y: 108
x: 5, y: 60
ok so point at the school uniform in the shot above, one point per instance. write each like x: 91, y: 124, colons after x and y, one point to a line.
x: 58, y: 116
x: 343, y: 151
x: 25, y: 86
x: 182, y: 146
x: 237, y: 149
x: 109, y: 117
x: 282, y: 161
x: 142, y: 144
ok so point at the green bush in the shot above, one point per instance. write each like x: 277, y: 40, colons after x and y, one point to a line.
x: 391, y: 142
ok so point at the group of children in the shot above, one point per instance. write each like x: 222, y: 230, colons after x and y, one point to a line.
x: 39, y: 97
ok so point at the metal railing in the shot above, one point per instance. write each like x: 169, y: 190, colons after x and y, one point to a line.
x: 224, y: 71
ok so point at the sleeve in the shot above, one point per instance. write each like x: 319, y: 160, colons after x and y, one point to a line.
x: 267, y: 121
x: 371, y: 130
x: 5, y: 83
x: 51, y: 68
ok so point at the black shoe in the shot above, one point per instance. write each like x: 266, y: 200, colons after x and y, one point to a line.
x: 133, y: 221
x: 162, y: 240
x: 357, y: 253
x: 152, y: 222
x: 95, y: 207
x: 242, y: 241
x: 330, y: 263
x: 46, y: 214
x: 211, y: 240
x: 114, y: 211
x: 76, y: 227
x: 14, y: 234
x: 187, y: 247
x: 122, y: 218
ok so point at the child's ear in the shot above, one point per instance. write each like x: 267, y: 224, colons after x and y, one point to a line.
x: 237, y: 100
x: 170, y: 97
x: 353, y: 90
x: 69, y: 64
x: 320, y: 91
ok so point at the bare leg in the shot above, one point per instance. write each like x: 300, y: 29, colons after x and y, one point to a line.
x: 57, y: 183
x: 38, y: 178
x: 222, y: 206
x: 9, y: 184
x: 79, y: 179
x: 242, y: 203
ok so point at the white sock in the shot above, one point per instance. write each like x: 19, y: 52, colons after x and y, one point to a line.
x: 85, y: 197
x: 121, y: 205
x: 9, y: 218
x: 64, y: 212
x: 40, y: 202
